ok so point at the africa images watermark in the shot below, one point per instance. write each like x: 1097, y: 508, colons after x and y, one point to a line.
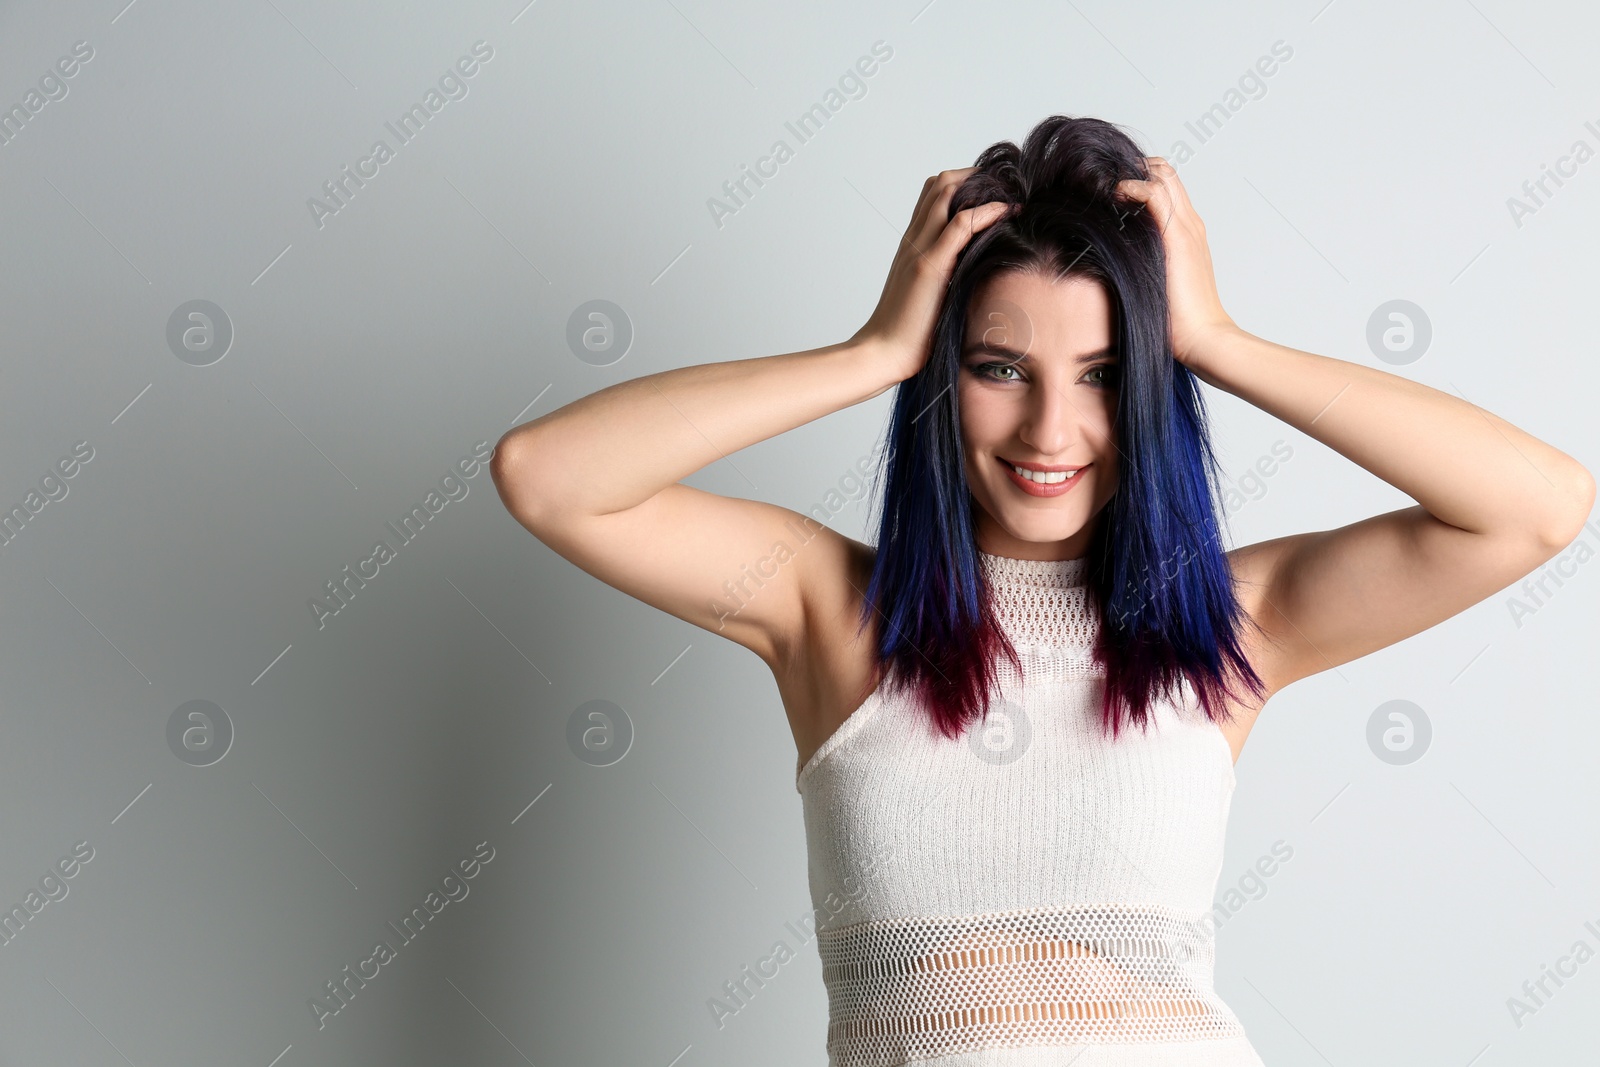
x: 851, y: 486
x: 1252, y: 484
x: 1536, y: 992
x: 14, y: 519
x: 1536, y: 192
x: 53, y: 85
x: 1252, y: 885
x: 453, y: 888
x: 1536, y: 591
x: 52, y: 888
x: 737, y: 993
x: 1251, y: 86
x: 452, y: 85
x: 737, y: 192
x: 341, y: 591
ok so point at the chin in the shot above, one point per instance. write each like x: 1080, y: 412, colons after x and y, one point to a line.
x: 1033, y: 524
x: 1043, y: 533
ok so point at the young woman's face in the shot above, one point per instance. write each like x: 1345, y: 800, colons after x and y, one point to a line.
x: 1038, y: 388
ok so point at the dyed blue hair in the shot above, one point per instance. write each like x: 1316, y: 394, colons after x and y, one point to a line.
x: 1156, y: 574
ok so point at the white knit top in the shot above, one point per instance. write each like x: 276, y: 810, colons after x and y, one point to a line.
x: 1033, y: 893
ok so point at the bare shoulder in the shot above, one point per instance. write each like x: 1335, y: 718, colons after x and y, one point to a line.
x: 1252, y: 567
x: 832, y: 668
x: 1257, y: 572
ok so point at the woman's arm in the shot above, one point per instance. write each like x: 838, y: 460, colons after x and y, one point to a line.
x: 614, y: 449
x: 597, y: 480
x: 1494, y: 504
x: 1494, y: 501
x: 1467, y: 467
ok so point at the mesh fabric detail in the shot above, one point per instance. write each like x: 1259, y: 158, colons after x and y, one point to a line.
x: 1033, y: 893
x: 906, y: 989
x: 1042, y: 603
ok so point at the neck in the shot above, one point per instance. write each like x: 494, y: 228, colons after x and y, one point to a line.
x: 997, y: 542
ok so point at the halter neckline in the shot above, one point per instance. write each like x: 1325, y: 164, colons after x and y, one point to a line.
x: 1060, y: 573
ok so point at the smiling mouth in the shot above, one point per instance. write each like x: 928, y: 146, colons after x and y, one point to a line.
x: 1037, y: 479
x: 1041, y: 473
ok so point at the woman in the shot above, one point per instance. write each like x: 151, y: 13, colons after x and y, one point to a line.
x: 1007, y: 873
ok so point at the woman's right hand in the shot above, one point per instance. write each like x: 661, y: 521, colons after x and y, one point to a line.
x: 901, y: 328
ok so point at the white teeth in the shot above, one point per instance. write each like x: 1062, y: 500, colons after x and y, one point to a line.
x: 1050, y: 478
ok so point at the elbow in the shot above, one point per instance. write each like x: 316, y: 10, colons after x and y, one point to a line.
x: 503, y: 461
x: 1575, y: 493
x: 510, y: 468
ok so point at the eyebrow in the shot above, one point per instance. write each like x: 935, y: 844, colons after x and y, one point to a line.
x: 1023, y: 358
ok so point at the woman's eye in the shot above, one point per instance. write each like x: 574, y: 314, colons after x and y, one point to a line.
x: 992, y: 371
x: 1107, y: 372
x: 1104, y: 375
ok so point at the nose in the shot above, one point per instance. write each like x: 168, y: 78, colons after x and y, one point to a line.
x: 1053, y: 422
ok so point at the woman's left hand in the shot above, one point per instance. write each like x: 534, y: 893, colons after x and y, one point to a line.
x: 1192, y: 300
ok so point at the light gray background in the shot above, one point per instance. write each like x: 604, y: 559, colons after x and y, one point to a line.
x: 431, y: 714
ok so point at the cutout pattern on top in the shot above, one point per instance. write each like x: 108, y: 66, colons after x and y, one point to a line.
x: 909, y: 989
x: 1033, y: 892
x: 1042, y: 604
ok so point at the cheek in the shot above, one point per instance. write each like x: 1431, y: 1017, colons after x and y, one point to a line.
x: 985, y: 418
x: 977, y: 441
x: 1100, y: 427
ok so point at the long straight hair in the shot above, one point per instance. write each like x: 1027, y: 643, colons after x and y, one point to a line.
x: 1156, y: 575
